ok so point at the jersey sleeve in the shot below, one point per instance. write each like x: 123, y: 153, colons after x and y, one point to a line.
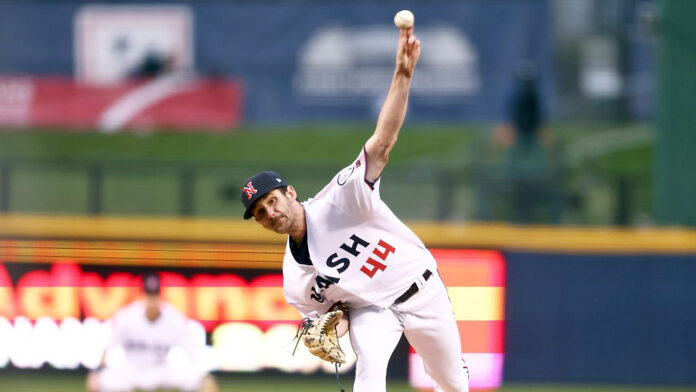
x: 308, y: 309
x: 351, y: 191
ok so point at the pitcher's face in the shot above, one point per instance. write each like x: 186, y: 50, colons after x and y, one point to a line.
x: 275, y: 211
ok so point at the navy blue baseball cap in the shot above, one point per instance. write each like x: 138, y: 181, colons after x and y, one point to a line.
x: 257, y: 186
x: 151, y: 283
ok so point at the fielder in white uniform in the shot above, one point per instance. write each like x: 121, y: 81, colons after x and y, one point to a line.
x: 345, y: 245
x: 147, y: 330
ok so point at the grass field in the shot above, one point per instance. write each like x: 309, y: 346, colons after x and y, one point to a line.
x: 297, y: 144
x: 73, y: 381
x: 302, y: 144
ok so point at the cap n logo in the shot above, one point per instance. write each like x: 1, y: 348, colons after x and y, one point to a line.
x: 249, y: 190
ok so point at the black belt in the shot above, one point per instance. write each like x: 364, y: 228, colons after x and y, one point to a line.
x: 412, y: 290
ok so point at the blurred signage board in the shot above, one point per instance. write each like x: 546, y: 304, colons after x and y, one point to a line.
x: 47, y: 307
x: 63, y: 293
x: 115, y: 42
x: 305, y: 61
x: 339, y: 64
x: 177, y: 100
x: 475, y: 280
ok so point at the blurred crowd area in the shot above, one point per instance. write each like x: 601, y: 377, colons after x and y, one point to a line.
x: 546, y: 106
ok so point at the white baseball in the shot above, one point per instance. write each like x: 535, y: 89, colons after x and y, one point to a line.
x: 404, y: 19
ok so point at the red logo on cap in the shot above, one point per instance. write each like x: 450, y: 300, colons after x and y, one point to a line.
x: 249, y: 190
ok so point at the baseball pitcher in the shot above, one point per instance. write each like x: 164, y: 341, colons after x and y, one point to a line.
x: 345, y: 246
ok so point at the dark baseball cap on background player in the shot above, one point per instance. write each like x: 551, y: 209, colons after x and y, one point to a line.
x: 151, y: 283
x: 257, y: 186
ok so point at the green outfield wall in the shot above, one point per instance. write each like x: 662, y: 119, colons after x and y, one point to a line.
x: 675, y: 182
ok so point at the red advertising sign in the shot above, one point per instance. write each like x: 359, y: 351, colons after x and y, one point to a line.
x: 177, y: 100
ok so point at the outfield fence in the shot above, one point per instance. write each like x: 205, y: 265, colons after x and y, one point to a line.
x: 417, y: 191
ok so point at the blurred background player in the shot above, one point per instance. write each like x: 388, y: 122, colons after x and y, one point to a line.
x: 517, y: 175
x: 147, y: 330
x: 528, y: 168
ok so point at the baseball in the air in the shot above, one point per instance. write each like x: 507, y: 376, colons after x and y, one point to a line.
x: 404, y: 19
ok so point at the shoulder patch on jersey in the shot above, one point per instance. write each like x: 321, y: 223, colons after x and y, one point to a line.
x: 345, y: 174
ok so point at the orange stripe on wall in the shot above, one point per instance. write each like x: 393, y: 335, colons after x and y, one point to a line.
x: 481, y: 336
x: 146, y: 253
x: 496, y: 236
x: 472, y: 268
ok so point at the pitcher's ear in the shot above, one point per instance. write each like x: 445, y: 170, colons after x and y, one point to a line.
x: 291, y: 192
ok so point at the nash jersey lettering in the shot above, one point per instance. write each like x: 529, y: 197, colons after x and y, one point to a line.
x: 361, y: 252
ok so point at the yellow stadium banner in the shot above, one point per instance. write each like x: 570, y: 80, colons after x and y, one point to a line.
x: 488, y: 236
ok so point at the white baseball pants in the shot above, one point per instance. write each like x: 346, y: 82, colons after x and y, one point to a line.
x: 428, y: 322
x: 127, y: 377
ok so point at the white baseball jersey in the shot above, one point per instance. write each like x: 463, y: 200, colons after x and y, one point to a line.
x: 147, y: 343
x: 361, y: 253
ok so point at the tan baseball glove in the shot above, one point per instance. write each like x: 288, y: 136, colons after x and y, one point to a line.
x: 320, y: 337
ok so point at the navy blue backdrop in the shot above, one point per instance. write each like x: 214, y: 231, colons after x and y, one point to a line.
x: 594, y: 318
x: 288, y: 54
